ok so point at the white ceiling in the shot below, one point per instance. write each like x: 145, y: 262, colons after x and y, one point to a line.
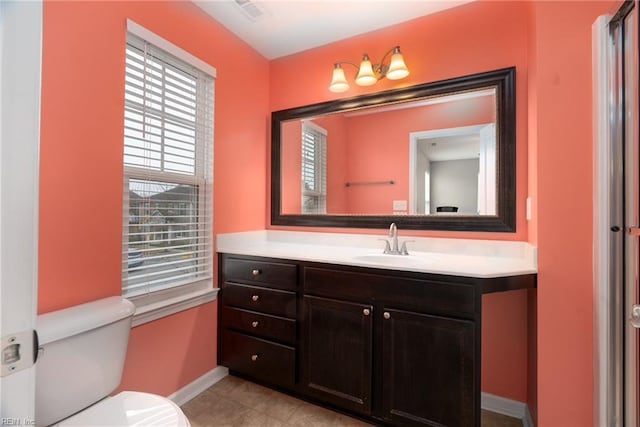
x: 284, y: 27
x: 457, y: 147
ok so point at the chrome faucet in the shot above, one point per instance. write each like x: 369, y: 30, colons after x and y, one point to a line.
x: 393, y: 234
x: 392, y: 248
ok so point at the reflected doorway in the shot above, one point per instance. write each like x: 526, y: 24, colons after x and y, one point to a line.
x: 452, y: 171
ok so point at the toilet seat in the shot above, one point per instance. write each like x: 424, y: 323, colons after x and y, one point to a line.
x: 129, y: 408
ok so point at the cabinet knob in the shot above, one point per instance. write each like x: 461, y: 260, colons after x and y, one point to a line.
x: 254, y: 323
x: 386, y: 315
x: 366, y: 312
x: 255, y: 272
x: 255, y: 297
x: 254, y: 357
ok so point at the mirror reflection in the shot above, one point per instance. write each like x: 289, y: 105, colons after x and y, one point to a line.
x: 432, y: 156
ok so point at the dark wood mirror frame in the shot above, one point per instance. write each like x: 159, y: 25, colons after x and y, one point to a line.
x: 504, y: 220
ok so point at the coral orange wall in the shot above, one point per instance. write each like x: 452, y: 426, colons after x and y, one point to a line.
x: 188, y: 335
x: 561, y: 123
x: 436, y: 47
x: 81, y: 167
x: 532, y: 320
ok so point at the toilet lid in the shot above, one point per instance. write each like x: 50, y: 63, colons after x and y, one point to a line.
x: 130, y: 408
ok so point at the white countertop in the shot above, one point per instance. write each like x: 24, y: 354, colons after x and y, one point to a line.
x: 457, y: 257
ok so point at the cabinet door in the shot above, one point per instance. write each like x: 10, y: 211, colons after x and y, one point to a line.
x: 337, y: 349
x: 429, y: 374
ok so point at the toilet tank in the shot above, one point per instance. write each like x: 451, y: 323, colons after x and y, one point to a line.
x: 82, y: 356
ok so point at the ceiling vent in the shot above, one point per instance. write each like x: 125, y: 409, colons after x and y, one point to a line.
x: 250, y: 9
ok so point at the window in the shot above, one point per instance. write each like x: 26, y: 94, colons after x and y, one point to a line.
x: 314, y: 169
x: 168, y: 172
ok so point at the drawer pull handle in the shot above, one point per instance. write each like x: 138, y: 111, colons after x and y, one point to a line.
x: 255, y: 298
x: 254, y: 323
x: 386, y: 315
x: 255, y: 272
x: 366, y: 312
x: 254, y: 357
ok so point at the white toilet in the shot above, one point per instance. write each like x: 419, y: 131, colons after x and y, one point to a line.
x: 82, y: 355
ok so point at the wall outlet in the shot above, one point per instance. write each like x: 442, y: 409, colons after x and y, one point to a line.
x: 399, y: 205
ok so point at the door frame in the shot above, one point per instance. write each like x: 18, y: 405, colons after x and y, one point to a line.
x: 20, y: 91
x: 415, y: 137
x: 615, y: 398
x: 631, y: 214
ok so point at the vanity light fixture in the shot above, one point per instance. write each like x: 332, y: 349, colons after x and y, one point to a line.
x: 368, y: 73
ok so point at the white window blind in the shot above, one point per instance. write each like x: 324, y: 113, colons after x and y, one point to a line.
x: 168, y: 171
x: 314, y: 169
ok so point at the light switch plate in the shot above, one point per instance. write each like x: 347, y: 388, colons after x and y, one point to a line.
x: 399, y: 205
x: 528, y: 210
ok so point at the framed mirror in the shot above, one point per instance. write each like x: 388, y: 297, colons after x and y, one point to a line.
x: 435, y: 156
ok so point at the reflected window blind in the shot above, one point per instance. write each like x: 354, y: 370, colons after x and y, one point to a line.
x: 314, y: 169
x: 168, y: 171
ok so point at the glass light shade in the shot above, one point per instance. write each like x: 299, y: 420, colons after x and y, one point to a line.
x: 397, y: 68
x: 366, y: 76
x: 338, y: 81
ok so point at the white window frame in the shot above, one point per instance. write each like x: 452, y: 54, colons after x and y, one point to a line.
x: 320, y: 164
x: 161, y: 303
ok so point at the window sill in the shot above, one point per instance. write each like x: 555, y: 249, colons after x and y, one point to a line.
x: 149, y: 308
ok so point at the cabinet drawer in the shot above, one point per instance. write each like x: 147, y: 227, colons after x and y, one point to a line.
x: 259, y: 272
x: 255, y: 298
x: 427, y: 296
x: 262, y: 325
x: 258, y: 358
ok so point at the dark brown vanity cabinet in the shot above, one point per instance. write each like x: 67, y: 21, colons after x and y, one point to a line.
x: 427, y: 362
x: 398, y: 348
x: 408, y: 342
x: 258, y: 318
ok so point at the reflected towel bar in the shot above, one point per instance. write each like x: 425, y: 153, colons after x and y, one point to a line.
x: 349, y: 184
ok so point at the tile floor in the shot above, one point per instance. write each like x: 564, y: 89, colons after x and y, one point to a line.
x: 234, y: 402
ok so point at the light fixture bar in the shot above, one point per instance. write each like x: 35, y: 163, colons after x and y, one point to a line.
x: 369, y: 73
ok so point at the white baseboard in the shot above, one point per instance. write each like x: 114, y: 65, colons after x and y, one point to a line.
x: 196, y: 387
x: 504, y: 406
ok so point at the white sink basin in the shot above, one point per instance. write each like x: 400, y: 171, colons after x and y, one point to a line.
x: 397, y: 260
